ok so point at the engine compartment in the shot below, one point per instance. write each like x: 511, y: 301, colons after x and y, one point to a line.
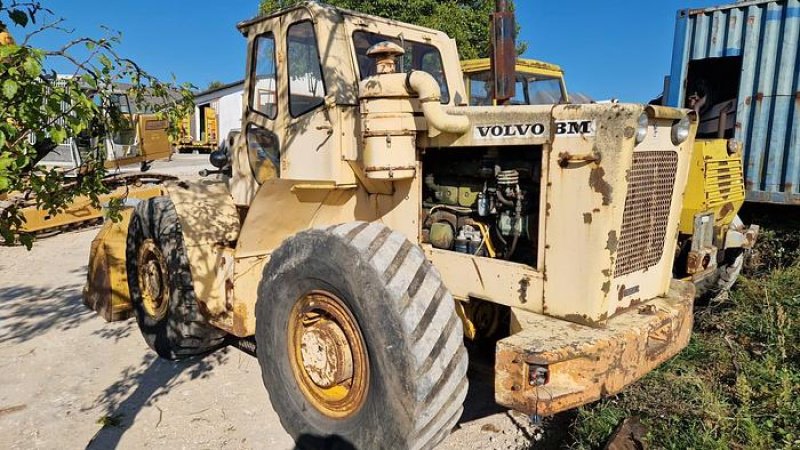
x: 483, y: 201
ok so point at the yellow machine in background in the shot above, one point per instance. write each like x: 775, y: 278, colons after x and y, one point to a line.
x: 208, y: 133
x: 145, y: 141
x: 538, y: 82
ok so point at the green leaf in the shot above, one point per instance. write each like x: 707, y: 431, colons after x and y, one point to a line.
x: 58, y: 135
x: 5, y: 162
x: 4, y: 183
x: 10, y: 88
x: 90, y: 45
x: 19, y: 17
x: 106, y: 62
x: 32, y: 67
x: 2, y: 139
x: 8, y: 50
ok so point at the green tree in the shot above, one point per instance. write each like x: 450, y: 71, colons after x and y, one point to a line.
x: 466, y: 21
x: 216, y: 84
x: 40, y: 109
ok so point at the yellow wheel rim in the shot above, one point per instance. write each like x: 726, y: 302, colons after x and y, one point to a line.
x: 153, y: 283
x: 327, y: 355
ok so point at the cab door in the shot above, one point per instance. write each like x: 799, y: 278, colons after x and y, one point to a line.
x: 262, y: 115
x: 309, y: 143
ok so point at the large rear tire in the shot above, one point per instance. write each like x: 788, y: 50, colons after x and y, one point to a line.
x: 359, y: 342
x: 160, y: 284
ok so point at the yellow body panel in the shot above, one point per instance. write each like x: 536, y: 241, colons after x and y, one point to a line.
x: 716, y: 184
x: 106, y: 289
x: 153, y: 137
x: 81, y: 209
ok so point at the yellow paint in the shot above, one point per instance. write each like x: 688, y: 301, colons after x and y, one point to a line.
x: 716, y: 184
x: 106, y: 289
x: 524, y: 66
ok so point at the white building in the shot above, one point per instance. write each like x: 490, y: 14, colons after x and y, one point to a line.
x: 226, y: 101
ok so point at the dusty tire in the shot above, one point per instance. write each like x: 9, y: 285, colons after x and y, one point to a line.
x: 175, y: 328
x: 416, y: 360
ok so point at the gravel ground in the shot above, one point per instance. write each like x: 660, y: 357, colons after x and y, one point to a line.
x: 71, y: 380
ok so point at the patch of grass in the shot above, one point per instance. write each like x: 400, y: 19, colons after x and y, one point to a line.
x: 737, y: 384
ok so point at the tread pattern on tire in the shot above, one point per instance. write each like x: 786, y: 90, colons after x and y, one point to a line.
x: 187, y: 328
x: 433, y: 331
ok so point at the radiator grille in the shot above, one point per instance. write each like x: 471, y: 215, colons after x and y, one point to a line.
x: 651, y: 182
x: 724, y: 181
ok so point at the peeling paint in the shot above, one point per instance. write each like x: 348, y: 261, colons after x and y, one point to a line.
x: 598, y: 183
x: 587, y: 218
x: 611, y: 244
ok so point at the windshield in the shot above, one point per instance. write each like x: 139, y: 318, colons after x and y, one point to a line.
x: 531, y: 89
x: 418, y: 56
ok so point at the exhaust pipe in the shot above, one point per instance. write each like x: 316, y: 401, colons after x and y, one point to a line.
x: 504, y: 53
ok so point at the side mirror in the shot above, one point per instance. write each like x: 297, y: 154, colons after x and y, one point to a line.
x: 218, y: 158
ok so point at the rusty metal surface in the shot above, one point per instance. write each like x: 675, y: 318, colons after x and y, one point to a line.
x: 597, y: 210
x: 585, y: 363
x: 209, y: 222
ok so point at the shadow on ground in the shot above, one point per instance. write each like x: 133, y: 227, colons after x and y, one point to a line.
x: 140, y: 386
x: 27, y: 312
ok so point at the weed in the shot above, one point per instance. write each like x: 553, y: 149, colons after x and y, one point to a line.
x: 736, y: 385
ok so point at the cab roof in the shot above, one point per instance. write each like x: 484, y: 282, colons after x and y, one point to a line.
x: 523, y: 65
x: 315, y: 8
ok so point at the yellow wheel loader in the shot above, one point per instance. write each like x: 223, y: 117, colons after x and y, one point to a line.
x: 367, y: 215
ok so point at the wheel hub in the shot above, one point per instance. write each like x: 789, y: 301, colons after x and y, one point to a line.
x: 327, y: 354
x: 327, y: 357
x: 153, y: 280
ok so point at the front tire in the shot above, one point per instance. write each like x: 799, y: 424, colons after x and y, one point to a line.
x: 160, y: 284
x: 359, y: 342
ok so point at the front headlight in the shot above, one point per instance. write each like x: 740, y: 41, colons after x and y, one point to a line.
x: 641, y: 128
x: 680, y: 131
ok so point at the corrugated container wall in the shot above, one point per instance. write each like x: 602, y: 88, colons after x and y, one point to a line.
x: 762, y: 38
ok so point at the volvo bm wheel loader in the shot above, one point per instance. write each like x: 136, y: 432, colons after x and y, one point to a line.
x: 367, y: 217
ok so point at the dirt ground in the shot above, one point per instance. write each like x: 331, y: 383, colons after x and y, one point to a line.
x: 70, y: 380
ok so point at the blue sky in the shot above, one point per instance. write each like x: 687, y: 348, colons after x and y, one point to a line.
x: 608, y: 49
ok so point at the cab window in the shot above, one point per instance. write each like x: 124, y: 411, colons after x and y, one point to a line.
x: 263, y: 153
x: 306, y: 84
x: 418, y: 56
x: 263, y: 96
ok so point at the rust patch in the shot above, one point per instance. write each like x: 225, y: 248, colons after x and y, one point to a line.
x: 621, y: 291
x: 587, y: 218
x: 598, y: 183
x: 629, y: 132
x: 606, y: 287
x: 613, y: 242
x: 583, y: 319
x: 523, y: 289
x: 727, y: 209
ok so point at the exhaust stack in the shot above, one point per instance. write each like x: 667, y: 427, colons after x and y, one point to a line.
x: 504, y: 53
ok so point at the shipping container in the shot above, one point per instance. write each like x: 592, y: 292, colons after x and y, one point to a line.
x: 739, y: 65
